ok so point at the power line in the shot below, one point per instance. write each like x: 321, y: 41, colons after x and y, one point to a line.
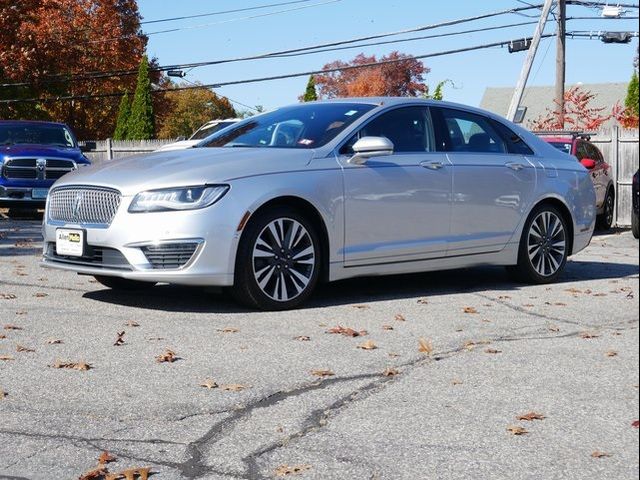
x: 92, y: 75
x: 276, y: 77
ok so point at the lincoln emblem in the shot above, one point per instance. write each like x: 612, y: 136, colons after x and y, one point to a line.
x: 75, y: 209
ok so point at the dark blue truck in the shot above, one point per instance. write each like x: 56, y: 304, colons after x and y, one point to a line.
x: 33, y: 155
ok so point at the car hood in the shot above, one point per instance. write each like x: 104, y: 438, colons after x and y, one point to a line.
x: 188, y: 167
x: 41, y: 151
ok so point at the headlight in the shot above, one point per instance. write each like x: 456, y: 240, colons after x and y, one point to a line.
x: 183, y: 198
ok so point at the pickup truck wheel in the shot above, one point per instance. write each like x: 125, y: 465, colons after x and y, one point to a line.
x: 122, y: 284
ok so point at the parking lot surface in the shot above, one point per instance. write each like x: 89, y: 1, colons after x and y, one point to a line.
x: 433, y: 386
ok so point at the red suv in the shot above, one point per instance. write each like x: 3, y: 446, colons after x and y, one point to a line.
x: 580, y: 146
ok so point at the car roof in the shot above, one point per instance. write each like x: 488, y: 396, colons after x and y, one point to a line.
x: 30, y: 122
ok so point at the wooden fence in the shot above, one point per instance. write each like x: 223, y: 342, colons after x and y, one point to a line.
x: 619, y: 147
x: 620, y: 150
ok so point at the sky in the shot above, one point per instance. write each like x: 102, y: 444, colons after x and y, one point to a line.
x: 321, y: 21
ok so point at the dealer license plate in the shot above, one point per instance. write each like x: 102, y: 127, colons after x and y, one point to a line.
x: 69, y: 243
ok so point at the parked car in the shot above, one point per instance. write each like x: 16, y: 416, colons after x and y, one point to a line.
x: 323, y: 191
x: 33, y: 155
x: 580, y: 146
x: 635, y: 223
x: 203, y: 132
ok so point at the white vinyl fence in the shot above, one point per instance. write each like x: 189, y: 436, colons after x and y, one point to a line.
x: 619, y: 147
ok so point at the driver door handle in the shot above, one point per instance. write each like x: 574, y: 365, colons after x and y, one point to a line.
x: 433, y: 165
x: 514, y: 166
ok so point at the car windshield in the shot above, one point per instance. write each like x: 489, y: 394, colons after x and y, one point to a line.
x: 207, y: 130
x: 56, y: 135
x: 562, y: 146
x: 302, y: 126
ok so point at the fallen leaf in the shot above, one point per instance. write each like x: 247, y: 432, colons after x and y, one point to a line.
x: 599, y: 295
x: 346, y: 331
x: 286, y: 470
x: 469, y: 345
x: 554, y: 328
x: 322, y: 373
x: 120, y: 340
x: 492, y: 351
x: 425, y: 346
x: 368, y: 345
x: 387, y: 327
x: 12, y: 327
x: 2, y: 336
x: 144, y: 473
x: 423, y: 301
x: 469, y: 310
x: 361, y: 307
x: 155, y: 339
x: 106, y: 457
x: 233, y: 387
x: 5, y: 358
x: 209, y: 383
x: 40, y: 295
x: 455, y: 381
x: 560, y: 304
x: 54, y: 341
x: 400, y: 318
x: 22, y: 348
x: 390, y: 372
x: 131, y: 323
x: 611, y: 353
x: 573, y: 291
x: 598, y: 454
x: 168, y: 356
x: 504, y: 297
x: 531, y: 416
x: 228, y: 330
x: 82, y: 366
x: 393, y: 355
x: 95, y: 474
x: 528, y: 305
x: 21, y: 312
x: 588, y: 335
x: 635, y: 424
x: 515, y: 430
x: 302, y: 338
x: 2, y: 394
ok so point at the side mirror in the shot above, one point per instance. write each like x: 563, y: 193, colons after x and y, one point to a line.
x: 588, y: 163
x: 370, y: 147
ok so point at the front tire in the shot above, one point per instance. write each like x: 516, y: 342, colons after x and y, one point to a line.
x: 123, y: 284
x: 604, y: 221
x: 544, y: 247
x: 278, y: 261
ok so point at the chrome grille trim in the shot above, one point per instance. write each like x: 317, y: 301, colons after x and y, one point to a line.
x: 37, y: 168
x: 86, y: 205
x: 170, y: 256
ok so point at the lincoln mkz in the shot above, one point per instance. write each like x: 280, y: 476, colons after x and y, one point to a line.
x: 324, y: 191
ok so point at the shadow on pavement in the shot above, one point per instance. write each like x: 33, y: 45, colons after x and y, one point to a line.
x: 360, y: 290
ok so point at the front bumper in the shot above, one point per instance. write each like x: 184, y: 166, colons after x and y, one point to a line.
x: 122, y: 249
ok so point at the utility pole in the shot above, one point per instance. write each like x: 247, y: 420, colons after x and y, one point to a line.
x: 561, y: 43
x: 531, y: 54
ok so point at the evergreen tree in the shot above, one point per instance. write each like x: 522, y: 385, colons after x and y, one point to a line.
x: 124, y: 113
x: 310, y: 94
x: 631, y: 102
x: 141, y: 125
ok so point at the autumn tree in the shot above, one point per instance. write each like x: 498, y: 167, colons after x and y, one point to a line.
x: 141, y: 124
x: 579, y: 113
x: 124, y: 112
x: 51, y: 45
x: 310, y: 94
x: 189, y: 109
x: 403, y: 76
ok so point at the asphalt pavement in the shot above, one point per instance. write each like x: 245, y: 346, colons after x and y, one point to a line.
x: 450, y: 362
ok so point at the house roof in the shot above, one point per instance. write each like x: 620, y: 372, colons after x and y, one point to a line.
x: 538, y: 99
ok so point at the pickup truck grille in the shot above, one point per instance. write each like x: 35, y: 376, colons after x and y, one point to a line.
x: 36, y: 168
x: 84, y: 205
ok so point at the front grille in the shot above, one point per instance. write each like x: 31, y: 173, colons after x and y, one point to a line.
x: 170, y: 255
x: 36, y: 168
x: 102, y: 257
x: 84, y: 205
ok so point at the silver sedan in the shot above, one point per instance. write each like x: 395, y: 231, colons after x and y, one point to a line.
x: 321, y: 192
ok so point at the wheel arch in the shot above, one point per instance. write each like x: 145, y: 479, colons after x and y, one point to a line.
x: 307, y: 209
x: 564, y: 210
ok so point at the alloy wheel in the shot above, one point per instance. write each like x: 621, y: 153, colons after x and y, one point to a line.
x: 608, y: 211
x: 283, y: 259
x: 546, y: 243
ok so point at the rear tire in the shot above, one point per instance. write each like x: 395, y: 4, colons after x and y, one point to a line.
x: 604, y: 221
x: 635, y: 226
x: 278, y: 261
x: 123, y: 284
x: 544, y: 247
